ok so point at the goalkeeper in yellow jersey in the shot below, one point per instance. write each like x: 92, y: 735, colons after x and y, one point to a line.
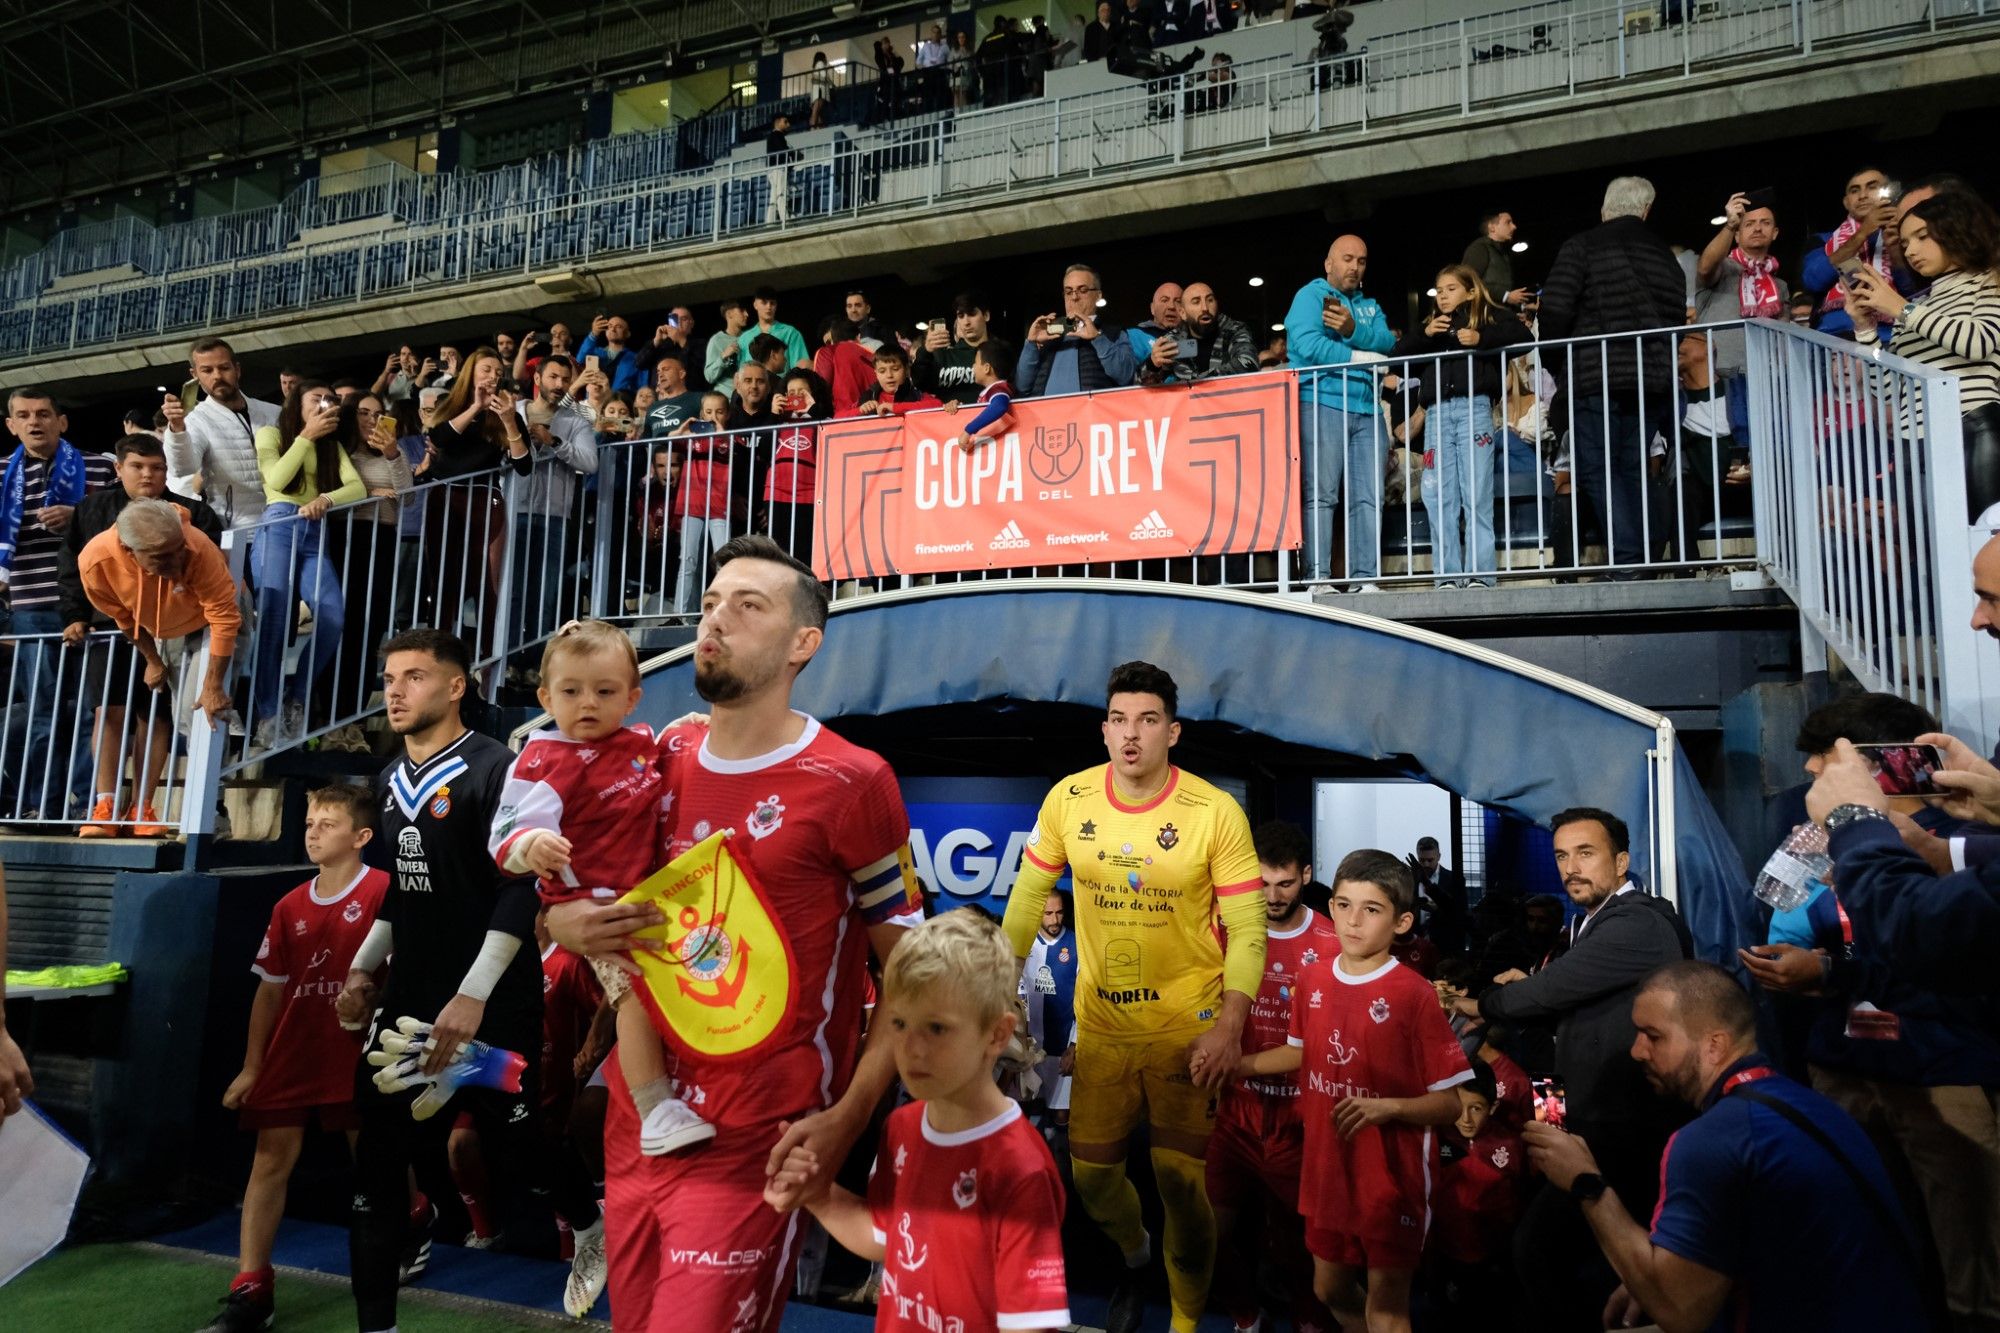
x: 1158, y: 856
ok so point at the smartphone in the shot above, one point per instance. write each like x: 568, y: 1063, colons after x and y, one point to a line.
x: 1767, y: 197
x: 1330, y: 303
x: 673, y: 321
x: 1186, y: 348
x: 590, y: 363
x: 1549, y: 1107
x: 1850, y: 269
x: 1058, y: 328
x: 1904, y: 769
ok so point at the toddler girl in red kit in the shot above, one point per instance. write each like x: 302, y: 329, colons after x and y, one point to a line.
x: 579, y: 811
x: 964, y: 1205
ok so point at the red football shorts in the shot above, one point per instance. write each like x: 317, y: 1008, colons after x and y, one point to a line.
x: 1244, y: 1166
x: 691, y: 1242
x: 1352, y: 1251
x: 334, y: 1117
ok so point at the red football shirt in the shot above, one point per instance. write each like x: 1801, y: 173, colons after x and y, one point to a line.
x: 970, y: 1224
x: 1269, y: 1105
x: 1379, y: 1035
x: 594, y: 793
x: 570, y: 997
x: 823, y: 829
x: 1479, y: 1194
x: 307, y: 949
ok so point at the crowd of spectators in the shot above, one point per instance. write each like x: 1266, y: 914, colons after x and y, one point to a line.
x: 358, y: 506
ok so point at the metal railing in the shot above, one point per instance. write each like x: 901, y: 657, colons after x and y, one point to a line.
x: 1669, y: 453
x: 445, y: 230
x: 1862, y: 516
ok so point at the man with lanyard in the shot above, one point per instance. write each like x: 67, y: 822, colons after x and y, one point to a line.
x: 1257, y: 1154
x: 823, y: 836
x: 1773, y: 1204
x: 1161, y: 1006
x: 462, y: 934
x: 45, y: 478
x: 212, y: 450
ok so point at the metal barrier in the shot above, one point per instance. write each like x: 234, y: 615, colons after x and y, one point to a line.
x: 563, y: 211
x: 1861, y: 511
x: 1837, y: 469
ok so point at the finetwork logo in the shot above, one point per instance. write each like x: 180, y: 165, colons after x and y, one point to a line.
x: 1008, y: 538
x: 1152, y: 528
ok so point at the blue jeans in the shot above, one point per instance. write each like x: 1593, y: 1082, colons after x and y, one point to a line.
x: 1736, y: 394
x: 1615, y: 487
x: 541, y: 600
x: 1338, y: 441
x: 287, y: 562
x: 1458, y: 480
x: 55, y: 742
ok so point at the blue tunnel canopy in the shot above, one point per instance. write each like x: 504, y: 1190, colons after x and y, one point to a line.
x: 1491, y: 728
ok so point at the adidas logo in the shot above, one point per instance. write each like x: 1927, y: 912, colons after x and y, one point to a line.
x: 1152, y: 528
x: 1008, y: 538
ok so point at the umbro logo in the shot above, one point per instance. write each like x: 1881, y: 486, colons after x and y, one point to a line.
x: 1008, y: 538
x: 1152, y: 528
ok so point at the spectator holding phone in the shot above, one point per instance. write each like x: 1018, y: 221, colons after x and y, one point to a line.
x: 552, y: 446
x: 1340, y: 417
x: 1861, y: 239
x: 1204, y: 345
x: 725, y: 350
x: 1471, y: 329
x: 363, y: 548
x: 1074, y: 352
x: 943, y: 364
x: 610, y: 341
x: 1736, y: 277
x: 1163, y: 316
x: 470, y: 430
x: 307, y: 469
x: 1773, y: 1204
x: 703, y: 501
x: 1951, y: 241
x: 788, y: 486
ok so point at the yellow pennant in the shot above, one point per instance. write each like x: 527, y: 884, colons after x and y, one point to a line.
x: 723, y: 984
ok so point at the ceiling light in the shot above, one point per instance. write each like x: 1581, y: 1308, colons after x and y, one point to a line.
x: 1256, y: 282
x: 1430, y: 291
x: 1101, y: 303
x: 1520, y: 247
x: 922, y: 325
x: 1717, y: 222
x: 431, y: 153
x: 1277, y: 328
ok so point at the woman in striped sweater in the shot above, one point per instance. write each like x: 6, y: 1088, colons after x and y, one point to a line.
x: 1951, y: 240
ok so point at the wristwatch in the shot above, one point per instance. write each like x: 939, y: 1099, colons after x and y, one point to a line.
x: 1843, y: 815
x: 1588, y: 1187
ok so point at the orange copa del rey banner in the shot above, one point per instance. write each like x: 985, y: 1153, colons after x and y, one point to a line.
x: 1130, y: 474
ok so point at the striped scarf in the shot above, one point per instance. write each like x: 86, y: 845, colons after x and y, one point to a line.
x: 1757, y: 290
x: 65, y: 486
x: 1874, y: 254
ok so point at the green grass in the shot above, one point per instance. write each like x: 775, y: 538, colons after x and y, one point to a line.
x: 147, y: 1289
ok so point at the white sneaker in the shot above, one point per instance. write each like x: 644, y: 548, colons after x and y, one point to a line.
x: 587, y: 1272
x: 671, y: 1126
x: 1367, y: 587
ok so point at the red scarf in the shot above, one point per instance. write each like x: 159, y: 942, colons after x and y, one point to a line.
x: 1874, y: 254
x: 1758, y: 288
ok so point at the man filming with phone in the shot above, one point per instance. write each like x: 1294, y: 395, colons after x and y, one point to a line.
x: 1075, y: 351
x: 1205, y: 344
x: 1737, y: 278
x: 558, y: 445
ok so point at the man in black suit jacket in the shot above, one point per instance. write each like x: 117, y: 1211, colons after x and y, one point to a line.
x: 1625, y: 936
x: 1441, y: 904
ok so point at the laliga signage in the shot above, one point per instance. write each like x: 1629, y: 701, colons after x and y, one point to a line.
x: 966, y: 836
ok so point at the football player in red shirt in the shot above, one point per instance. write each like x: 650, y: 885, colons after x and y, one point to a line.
x: 298, y: 1064
x: 1380, y: 1069
x: 1257, y: 1152
x: 822, y: 836
x: 965, y: 1204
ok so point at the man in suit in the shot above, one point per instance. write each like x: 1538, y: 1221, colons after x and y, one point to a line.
x: 1624, y: 936
x: 1441, y: 905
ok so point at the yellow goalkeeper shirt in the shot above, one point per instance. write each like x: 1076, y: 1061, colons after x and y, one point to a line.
x: 1151, y: 883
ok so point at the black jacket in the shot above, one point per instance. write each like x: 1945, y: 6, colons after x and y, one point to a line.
x: 1588, y: 991
x: 97, y: 513
x: 1618, y: 277
x: 1448, y: 377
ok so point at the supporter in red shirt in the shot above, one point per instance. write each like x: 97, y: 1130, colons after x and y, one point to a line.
x: 844, y: 364
x: 965, y: 1204
x: 1379, y: 1071
x: 1479, y: 1198
x: 893, y: 391
x: 789, y: 485
x: 298, y: 1064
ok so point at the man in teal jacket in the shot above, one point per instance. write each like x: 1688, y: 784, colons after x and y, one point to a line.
x: 1339, y: 410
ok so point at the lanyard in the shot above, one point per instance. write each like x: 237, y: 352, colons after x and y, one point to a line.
x: 1741, y: 1077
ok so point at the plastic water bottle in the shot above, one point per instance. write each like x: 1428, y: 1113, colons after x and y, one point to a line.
x: 1788, y: 877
